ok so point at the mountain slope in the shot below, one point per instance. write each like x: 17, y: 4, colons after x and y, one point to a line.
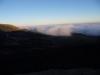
x: 8, y: 27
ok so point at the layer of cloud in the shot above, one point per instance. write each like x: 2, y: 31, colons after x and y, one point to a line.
x: 67, y: 30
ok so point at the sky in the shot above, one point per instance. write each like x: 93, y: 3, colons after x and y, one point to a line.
x: 39, y: 12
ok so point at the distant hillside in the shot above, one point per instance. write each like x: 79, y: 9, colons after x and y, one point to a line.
x: 8, y: 27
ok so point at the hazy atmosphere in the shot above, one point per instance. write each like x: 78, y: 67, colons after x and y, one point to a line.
x: 37, y: 12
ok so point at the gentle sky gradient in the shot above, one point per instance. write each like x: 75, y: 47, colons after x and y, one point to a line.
x: 49, y: 11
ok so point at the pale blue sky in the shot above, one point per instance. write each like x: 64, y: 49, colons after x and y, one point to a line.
x: 49, y: 11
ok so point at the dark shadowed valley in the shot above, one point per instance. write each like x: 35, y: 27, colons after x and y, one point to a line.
x: 24, y: 51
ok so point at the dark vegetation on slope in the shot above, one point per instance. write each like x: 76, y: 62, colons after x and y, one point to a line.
x: 24, y: 51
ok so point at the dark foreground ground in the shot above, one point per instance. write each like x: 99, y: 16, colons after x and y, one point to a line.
x: 66, y: 72
x: 24, y: 52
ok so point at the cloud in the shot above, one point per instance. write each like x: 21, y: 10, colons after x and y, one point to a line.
x: 87, y: 29
x: 67, y: 30
x: 55, y: 30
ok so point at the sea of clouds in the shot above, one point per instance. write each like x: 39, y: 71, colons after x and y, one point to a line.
x: 92, y: 29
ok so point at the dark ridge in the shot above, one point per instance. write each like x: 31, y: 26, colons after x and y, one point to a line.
x: 25, y: 52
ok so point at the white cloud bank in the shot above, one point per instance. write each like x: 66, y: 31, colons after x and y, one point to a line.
x: 67, y: 30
